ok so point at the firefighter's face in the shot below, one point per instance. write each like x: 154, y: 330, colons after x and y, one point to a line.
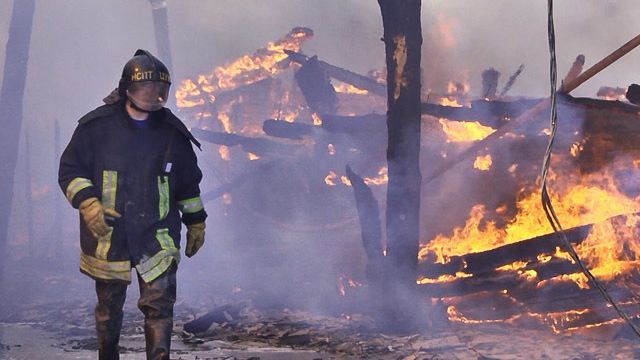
x: 149, y: 95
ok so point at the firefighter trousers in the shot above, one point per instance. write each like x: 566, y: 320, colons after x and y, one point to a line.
x: 156, y: 303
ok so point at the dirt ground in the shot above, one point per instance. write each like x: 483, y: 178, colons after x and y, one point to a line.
x: 51, y: 317
x: 65, y: 331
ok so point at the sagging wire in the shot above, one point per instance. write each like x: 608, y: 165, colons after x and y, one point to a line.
x: 546, y: 200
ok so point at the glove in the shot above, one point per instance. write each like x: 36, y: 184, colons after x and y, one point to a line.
x: 195, y: 238
x: 93, y: 213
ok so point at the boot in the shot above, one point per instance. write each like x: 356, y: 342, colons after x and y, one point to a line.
x: 156, y: 303
x: 108, y: 312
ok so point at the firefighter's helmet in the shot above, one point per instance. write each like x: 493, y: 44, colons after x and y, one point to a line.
x: 145, y: 81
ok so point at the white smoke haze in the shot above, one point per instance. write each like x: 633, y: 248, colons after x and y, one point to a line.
x: 78, y: 48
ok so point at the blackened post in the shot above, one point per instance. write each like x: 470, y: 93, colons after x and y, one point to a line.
x: 28, y: 195
x: 161, y: 27
x: 11, y: 97
x: 57, y: 243
x: 403, y: 41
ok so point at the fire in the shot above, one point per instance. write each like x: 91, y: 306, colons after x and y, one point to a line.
x: 345, y: 282
x: 188, y: 89
x: 345, y: 180
x: 450, y: 102
x: 446, y: 29
x: 248, y: 69
x: 349, y: 89
x: 442, y: 278
x: 455, y: 316
x: 483, y: 163
x: 381, y: 179
x: 331, y: 178
x: 224, y: 153
x: 317, y: 121
x: 224, y: 119
x: 331, y: 149
x: 459, y: 131
x: 606, y: 250
x: 583, y: 203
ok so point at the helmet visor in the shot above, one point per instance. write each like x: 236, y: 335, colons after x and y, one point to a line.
x: 149, y: 95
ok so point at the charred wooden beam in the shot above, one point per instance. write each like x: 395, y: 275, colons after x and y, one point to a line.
x: 575, y: 69
x: 489, y: 113
x: 487, y: 261
x: 219, y: 315
x: 258, y: 146
x: 523, y: 287
x: 369, y: 215
x: 494, y: 281
x: 371, y: 232
x: 288, y: 130
x: 488, y: 306
x: 316, y: 87
x: 370, y: 123
x: 349, y: 77
x: 511, y: 81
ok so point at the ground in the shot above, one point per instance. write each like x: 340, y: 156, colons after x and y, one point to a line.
x: 51, y: 317
x: 65, y: 331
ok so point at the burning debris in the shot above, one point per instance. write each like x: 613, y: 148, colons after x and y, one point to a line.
x: 489, y: 256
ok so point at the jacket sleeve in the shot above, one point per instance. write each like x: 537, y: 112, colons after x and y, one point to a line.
x: 187, y: 192
x: 76, y: 169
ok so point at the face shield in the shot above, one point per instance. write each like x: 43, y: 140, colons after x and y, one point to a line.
x: 148, y: 95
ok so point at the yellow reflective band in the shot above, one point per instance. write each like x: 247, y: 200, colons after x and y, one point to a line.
x: 109, y: 187
x: 191, y: 206
x: 107, y: 270
x: 154, y: 266
x: 153, y: 274
x: 165, y: 240
x: 149, y: 269
x: 75, y: 186
x: 104, y: 244
x: 163, y: 191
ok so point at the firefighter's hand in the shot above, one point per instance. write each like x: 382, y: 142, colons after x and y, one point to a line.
x: 195, y: 238
x: 93, y: 213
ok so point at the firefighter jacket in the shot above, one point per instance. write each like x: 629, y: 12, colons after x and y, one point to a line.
x: 149, y: 175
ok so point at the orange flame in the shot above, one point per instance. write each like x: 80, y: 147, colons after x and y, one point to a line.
x: 576, y: 205
x: 463, y: 131
x: 348, y: 89
x: 483, y: 163
x: 245, y: 70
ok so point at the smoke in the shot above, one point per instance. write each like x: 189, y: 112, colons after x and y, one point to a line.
x: 78, y: 50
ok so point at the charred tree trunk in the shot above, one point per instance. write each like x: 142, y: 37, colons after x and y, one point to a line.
x: 161, y: 30
x: 11, y: 96
x: 28, y: 195
x: 403, y: 40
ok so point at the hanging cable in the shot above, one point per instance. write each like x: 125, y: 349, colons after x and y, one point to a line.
x: 546, y: 200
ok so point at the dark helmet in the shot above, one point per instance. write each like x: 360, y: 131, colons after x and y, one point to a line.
x: 145, y: 81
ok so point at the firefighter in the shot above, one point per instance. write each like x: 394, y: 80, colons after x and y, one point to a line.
x: 131, y: 171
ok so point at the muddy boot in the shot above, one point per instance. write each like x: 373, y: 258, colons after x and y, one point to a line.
x: 111, y: 298
x: 156, y: 303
